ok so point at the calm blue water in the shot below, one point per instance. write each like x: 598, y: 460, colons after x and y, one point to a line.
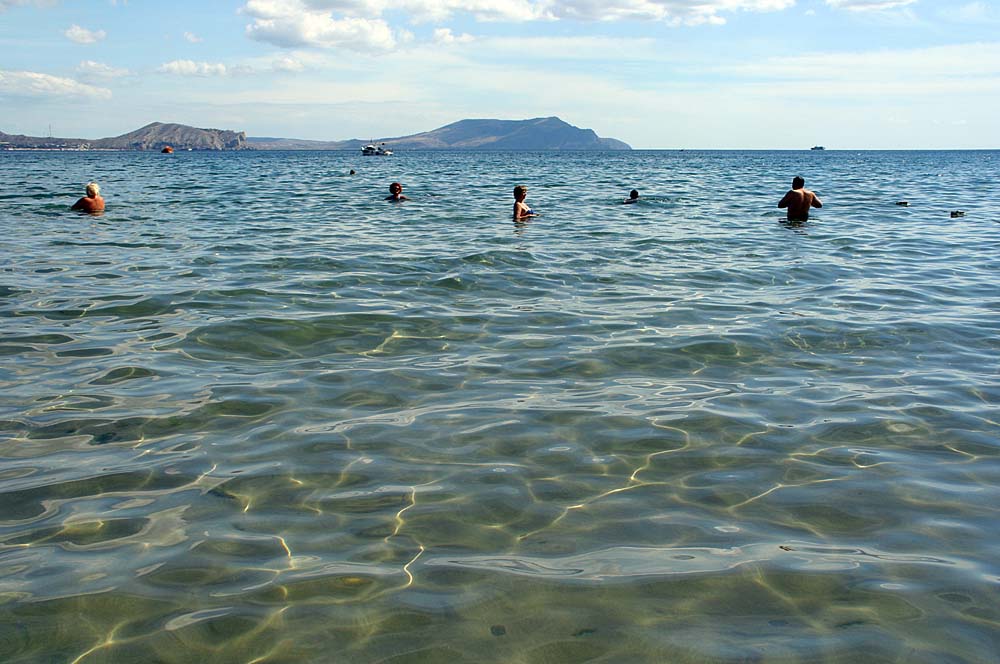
x: 253, y: 413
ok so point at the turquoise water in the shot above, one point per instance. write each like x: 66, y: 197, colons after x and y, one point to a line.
x: 253, y: 413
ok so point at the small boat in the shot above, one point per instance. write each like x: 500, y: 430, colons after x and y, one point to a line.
x: 372, y: 150
x: 817, y: 147
x: 167, y: 150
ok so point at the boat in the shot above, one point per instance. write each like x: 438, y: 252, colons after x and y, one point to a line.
x: 167, y: 150
x: 373, y: 150
x: 817, y: 147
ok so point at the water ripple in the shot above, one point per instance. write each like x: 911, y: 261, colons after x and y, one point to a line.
x: 274, y: 423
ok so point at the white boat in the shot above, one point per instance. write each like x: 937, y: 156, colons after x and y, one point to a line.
x: 372, y: 150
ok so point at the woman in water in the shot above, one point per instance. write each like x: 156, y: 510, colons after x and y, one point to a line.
x: 521, y: 209
x: 396, y: 193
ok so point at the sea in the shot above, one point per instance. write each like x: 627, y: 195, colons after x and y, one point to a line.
x: 254, y: 413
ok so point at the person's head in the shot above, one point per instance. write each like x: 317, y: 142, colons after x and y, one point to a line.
x: 798, y: 182
x: 352, y: 172
x: 93, y: 190
x: 395, y: 188
x: 634, y: 193
x: 520, y: 192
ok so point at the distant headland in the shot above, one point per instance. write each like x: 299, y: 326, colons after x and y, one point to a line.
x: 534, y: 134
x: 154, y: 136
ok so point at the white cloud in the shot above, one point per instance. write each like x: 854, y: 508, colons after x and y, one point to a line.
x: 419, y: 10
x: 912, y: 70
x: 99, y: 69
x: 483, y: 10
x: 674, y: 12
x: 445, y: 36
x: 868, y: 5
x: 192, y: 68
x: 973, y: 12
x: 289, y: 23
x: 572, y: 48
x: 287, y: 63
x: 35, y: 84
x: 193, y: 38
x: 359, y: 24
x: 83, y: 35
x: 7, y: 4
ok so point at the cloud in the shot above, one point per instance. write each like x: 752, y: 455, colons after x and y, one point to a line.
x: 868, y: 5
x: 973, y: 12
x: 99, y: 69
x: 514, y: 11
x: 674, y: 12
x: 193, y: 38
x: 35, y: 84
x: 7, y: 4
x: 572, y: 48
x: 445, y: 36
x: 287, y: 63
x: 973, y: 64
x: 83, y: 35
x: 192, y: 68
x: 359, y: 24
x: 289, y: 23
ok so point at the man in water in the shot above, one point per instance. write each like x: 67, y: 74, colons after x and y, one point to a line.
x: 396, y: 193
x: 798, y: 201
x: 633, y: 197
x: 92, y: 202
x: 521, y: 209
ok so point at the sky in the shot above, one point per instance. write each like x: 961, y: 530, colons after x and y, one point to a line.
x: 657, y: 74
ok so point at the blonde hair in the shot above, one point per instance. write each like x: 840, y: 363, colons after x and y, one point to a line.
x: 93, y: 189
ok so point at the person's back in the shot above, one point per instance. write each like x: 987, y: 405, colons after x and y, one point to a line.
x: 798, y: 200
x: 92, y: 202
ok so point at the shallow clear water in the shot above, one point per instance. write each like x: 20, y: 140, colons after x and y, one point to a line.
x: 254, y: 413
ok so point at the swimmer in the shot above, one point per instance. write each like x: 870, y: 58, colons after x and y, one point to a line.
x: 92, y: 202
x: 633, y: 197
x: 352, y: 172
x: 798, y: 200
x: 521, y: 209
x: 396, y: 193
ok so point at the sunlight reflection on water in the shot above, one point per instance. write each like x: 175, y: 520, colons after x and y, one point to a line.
x: 253, y: 411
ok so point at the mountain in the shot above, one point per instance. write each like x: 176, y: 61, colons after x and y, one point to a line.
x: 154, y: 136
x: 158, y: 135
x: 536, y: 134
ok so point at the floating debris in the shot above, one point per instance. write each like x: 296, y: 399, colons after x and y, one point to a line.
x: 903, y: 203
x: 957, y: 213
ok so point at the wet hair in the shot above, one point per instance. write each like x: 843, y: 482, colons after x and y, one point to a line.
x: 392, y: 187
x: 520, y: 189
x: 798, y: 182
x: 634, y: 193
x: 93, y: 189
